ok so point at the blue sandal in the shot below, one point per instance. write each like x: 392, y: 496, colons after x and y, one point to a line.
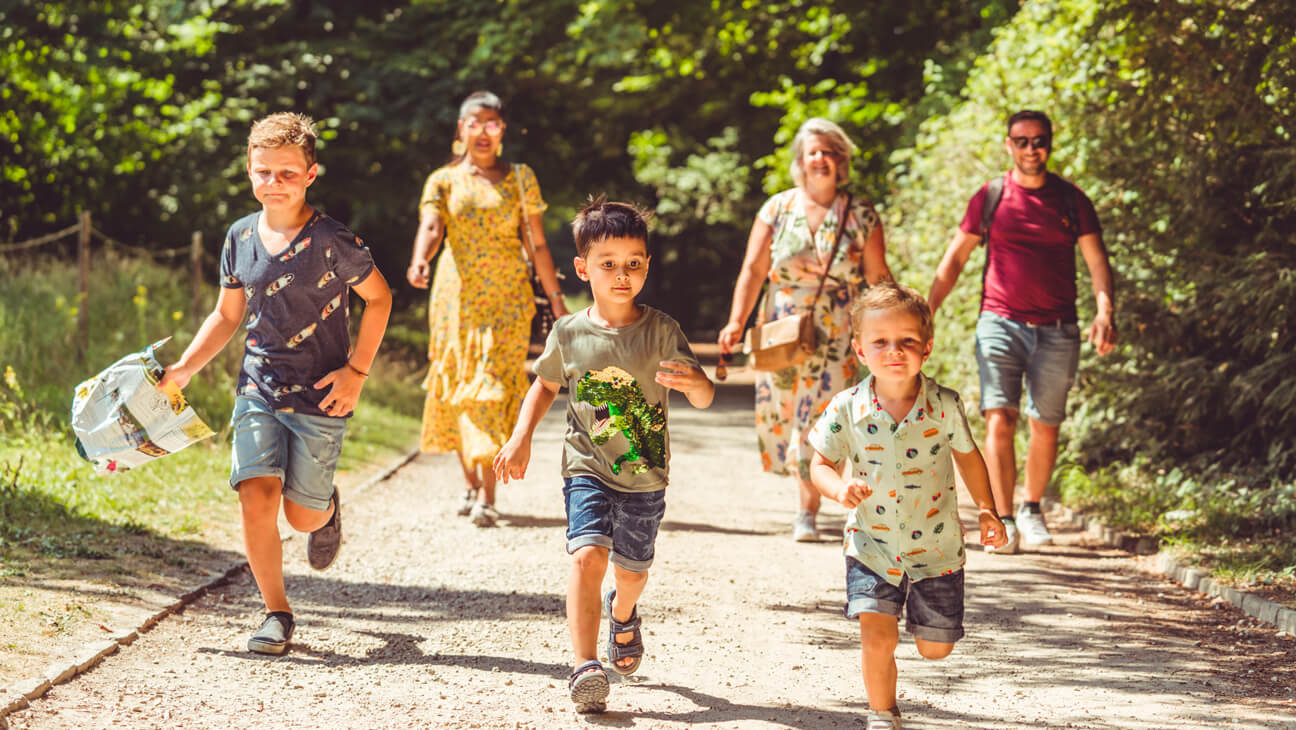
x: 633, y: 649
x: 589, y: 687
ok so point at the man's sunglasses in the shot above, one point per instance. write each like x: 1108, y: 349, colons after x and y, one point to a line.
x: 1041, y: 142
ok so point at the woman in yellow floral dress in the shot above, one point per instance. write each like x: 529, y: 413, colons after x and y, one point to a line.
x: 790, y: 245
x: 481, y: 305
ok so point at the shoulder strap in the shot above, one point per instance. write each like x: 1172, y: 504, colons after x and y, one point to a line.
x: 994, y: 194
x: 528, y: 249
x: 1070, y: 205
x: 841, y: 230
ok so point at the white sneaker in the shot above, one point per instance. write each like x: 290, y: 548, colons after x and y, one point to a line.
x: 1010, y: 547
x: 884, y: 719
x: 484, y: 515
x: 1033, y: 529
x: 803, y: 527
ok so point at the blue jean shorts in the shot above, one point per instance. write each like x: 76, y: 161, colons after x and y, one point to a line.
x: 933, y: 606
x: 1047, y: 356
x: 624, y: 522
x: 299, y: 449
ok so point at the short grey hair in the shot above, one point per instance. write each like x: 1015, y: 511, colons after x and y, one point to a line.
x: 480, y: 100
x: 838, y: 142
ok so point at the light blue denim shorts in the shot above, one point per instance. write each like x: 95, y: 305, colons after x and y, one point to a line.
x: 299, y: 449
x: 1045, y: 355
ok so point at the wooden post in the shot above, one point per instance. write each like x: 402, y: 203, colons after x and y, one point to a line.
x: 83, y: 295
x: 195, y: 275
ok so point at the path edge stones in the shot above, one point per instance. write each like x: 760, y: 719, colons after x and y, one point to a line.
x: 19, y: 695
x: 1193, y: 579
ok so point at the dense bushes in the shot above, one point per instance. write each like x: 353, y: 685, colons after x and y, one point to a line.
x: 1176, y: 118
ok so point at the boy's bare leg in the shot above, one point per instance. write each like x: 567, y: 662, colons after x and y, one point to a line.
x: 584, y: 604
x: 879, y: 635
x: 629, y: 586
x: 1041, y: 456
x: 933, y: 649
x: 1001, y: 456
x: 305, y: 519
x: 259, y: 500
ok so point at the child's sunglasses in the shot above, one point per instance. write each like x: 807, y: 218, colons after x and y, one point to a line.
x: 1041, y: 142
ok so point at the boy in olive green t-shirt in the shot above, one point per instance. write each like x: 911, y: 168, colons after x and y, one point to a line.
x: 619, y: 361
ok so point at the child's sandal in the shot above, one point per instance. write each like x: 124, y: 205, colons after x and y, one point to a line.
x: 632, y: 649
x: 589, y: 687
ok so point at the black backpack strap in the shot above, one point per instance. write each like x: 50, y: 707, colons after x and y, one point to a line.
x: 1070, y: 206
x: 994, y: 194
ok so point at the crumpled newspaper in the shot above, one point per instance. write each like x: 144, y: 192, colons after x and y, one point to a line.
x: 122, y: 420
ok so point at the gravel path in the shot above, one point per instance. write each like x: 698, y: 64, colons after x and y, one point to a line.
x: 426, y: 621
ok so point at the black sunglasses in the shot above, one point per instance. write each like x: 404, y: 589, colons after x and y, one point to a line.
x: 1041, y: 142
x: 722, y: 368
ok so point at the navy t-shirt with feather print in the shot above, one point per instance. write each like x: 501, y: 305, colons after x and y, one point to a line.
x: 296, y: 328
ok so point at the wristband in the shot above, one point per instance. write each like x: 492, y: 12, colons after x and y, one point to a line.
x: 554, y: 295
x: 358, y: 370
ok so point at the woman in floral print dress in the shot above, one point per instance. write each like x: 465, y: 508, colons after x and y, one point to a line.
x: 790, y: 243
x: 481, y: 305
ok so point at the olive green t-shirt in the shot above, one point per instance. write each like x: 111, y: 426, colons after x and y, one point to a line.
x: 616, y: 410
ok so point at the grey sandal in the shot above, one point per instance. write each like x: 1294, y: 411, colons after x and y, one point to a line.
x: 632, y: 649
x: 589, y: 687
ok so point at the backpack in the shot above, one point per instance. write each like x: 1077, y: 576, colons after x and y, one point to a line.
x: 994, y: 194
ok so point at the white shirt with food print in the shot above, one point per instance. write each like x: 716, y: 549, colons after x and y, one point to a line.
x: 908, y: 524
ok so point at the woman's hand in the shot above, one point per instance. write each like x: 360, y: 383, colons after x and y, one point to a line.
x: 730, y: 336
x: 418, y: 273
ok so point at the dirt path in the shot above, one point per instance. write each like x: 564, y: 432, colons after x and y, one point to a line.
x: 426, y: 621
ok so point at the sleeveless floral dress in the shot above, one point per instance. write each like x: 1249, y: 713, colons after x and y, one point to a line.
x: 479, y: 314
x: 789, y: 401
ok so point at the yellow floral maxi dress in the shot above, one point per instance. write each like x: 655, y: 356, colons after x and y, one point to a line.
x: 480, y: 312
x: 789, y: 401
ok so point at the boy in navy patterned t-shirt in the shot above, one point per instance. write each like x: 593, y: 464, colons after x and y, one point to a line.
x: 290, y: 270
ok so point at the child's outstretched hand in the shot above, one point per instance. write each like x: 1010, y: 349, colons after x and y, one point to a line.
x: 344, y: 394
x: 687, y: 379
x: 852, y: 493
x: 511, y: 461
x: 175, y: 373
x: 993, y: 533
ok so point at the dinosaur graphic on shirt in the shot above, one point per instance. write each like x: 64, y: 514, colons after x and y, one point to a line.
x: 620, y: 407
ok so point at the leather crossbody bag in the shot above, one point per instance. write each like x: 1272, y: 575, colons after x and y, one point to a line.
x: 789, y: 341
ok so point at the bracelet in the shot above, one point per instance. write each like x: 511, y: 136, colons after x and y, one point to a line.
x: 554, y: 295
x: 358, y: 370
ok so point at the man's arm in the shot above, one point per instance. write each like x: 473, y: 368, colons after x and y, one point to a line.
x: 1102, y: 333
x: 951, y: 265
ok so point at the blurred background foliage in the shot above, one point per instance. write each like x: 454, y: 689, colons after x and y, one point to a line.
x: 1175, y: 117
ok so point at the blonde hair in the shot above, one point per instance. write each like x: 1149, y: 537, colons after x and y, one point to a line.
x: 889, y: 295
x: 284, y: 129
x: 837, y: 140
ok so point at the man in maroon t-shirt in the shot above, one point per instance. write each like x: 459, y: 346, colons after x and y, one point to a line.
x: 1028, y: 326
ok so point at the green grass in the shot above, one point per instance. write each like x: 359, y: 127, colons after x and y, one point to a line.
x: 53, y: 505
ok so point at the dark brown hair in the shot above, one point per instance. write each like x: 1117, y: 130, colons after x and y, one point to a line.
x: 601, y: 220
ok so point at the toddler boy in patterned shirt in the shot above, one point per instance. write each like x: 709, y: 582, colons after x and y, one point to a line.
x: 903, y: 434
x: 287, y: 273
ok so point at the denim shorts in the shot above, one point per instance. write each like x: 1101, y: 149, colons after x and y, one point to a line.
x: 299, y: 449
x: 935, y: 605
x: 1007, y: 350
x: 624, y: 522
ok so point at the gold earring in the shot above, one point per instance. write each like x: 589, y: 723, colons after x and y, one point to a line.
x: 458, y: 148
x: 499, y: 150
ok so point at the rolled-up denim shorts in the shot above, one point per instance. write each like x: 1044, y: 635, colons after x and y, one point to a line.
x: 300, y: 449
x: 1046, y: 355
x: 624, y: 522
x: 933, y: 606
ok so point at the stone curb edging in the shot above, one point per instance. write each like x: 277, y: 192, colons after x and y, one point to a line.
x: 19, y: 696
x: 1194, y: 579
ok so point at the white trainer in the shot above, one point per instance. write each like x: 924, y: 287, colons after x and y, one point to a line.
x: 1010, y: 547
x: 884, y: 719
x: 1033, y: 529
x: 803, y: 527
